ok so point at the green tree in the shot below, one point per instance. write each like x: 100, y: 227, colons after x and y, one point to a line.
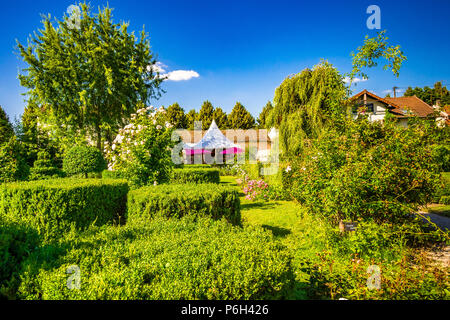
x: 91, y: 78
x: 367, y: 56
x: 206, y: 115
x: 305, y: 103
x: 221, y: 118
x: 191, y: 117
x: 264, y: 114
x: 6, y: 128
x: 175, y: 115
x: 430, y: 95
x: 240, y: 118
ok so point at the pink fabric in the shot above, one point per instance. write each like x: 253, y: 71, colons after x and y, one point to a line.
x: 196, y: 151
x: 232, y: 151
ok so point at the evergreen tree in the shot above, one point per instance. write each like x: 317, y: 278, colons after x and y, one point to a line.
x: 191, y: 117
x: 206, y: 115
x: 264, y: 114
x: 221, y: 118
x: 240, y: 118
x: 176, y: 117
x: 6, y: 128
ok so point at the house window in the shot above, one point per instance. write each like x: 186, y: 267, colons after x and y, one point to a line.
x: 369, y: 108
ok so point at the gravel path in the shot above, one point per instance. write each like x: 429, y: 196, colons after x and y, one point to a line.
x: 440, y: 221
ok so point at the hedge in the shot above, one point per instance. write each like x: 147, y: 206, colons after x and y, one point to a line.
x: 180, y: 200
x: 164, y: 259
x: 196, y: 175
x: 52, y: 207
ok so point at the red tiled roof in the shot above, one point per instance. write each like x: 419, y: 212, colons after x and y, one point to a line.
x: 413, y: 104
x: 402, y: 104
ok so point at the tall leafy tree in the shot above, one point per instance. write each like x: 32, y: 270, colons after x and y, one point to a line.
x: 430, y: 95
x: 304, y: 103
x: 6, y: 128
x: 240, y: 118
x: 206, y: 115
x: 191, y: 117
x: 264, y: 114
x: 175, y: 115
x: 221, y: 118
x: 91, y: 77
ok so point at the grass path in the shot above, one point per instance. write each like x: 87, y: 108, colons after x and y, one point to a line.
x: 288, y: 222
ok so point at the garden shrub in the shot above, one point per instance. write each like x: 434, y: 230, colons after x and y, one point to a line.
x: 180, y: 200
x: 52, y: 207
x: 371, y: 171
x: 165, y: 260
x: 13, y: 167
x: 44, y: 168
x: 445, y: 200
x: 107, y: 174
x: 16, y: 244
x: 195, y: 175
x: 142, y: 151
x: 441, y: 155
x: 83, y: 160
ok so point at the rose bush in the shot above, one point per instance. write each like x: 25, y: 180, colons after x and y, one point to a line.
x: 141, y: 151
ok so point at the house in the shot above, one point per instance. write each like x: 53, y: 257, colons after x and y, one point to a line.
x: 402, y: 107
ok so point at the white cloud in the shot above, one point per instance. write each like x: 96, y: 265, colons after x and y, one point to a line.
x: 158, y: 67
x: 177, y: 75
x: 355, y: 80
x: 182, y: 75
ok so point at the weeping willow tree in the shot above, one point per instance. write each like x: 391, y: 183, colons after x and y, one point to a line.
x: 305, y: 103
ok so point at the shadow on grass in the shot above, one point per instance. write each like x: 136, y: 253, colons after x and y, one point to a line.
x: 277, y: 231
x: 258, y: 205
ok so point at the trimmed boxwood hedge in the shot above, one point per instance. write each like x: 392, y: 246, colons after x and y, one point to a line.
x: 213, y: 200
x: 196, y: 175
x: 163, y: 259
x: 52, y: 207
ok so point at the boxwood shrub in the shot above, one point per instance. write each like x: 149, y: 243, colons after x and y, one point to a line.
x: 164, y: 260
x: 196, y: 175
x: 54, y: 206
x: 180, y: 200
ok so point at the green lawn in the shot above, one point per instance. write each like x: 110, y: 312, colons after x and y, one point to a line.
x: 302, y: 235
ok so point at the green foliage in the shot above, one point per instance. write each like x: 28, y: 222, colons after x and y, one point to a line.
x: 372, y: 50
x: 83, y: 160
x: 6, y: 128
x: 262, y: 119
x: 90, y: 78
x: 44, y: 168
x: 53, y: 207
x: 107, y: 174
x: 180, y: 200
x: 142, y: 151
x: 164, y: 260
x: 305, y: 103
x: 441, y: 155
x: 196, y: 175
x: 240, y: 118
x: 35, y: 136
x: 206, y: 115
x: 12, y: 164
x: 191, y: 117
x: 176, y: 117
x: 16, y: 244
x: 370, y: 171
x: 221, y: 118
x: 430, y: 95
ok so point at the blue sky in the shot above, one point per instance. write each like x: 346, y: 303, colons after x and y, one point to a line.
x: 242, y: 50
